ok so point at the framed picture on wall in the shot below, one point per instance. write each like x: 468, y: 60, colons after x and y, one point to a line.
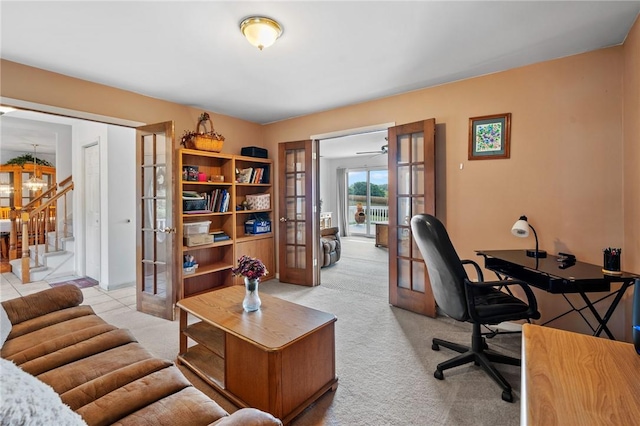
x: 489, y: 136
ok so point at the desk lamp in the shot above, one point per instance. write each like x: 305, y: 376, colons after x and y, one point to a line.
x: 521, y: 229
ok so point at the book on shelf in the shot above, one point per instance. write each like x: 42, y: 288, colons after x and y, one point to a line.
x: 220, y: 236
x: 244, y: 175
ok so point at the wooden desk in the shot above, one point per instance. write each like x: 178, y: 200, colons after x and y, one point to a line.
x: 574, y: 379
x: 279, y: 359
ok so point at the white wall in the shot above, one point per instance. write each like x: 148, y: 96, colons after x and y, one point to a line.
x: 87, y: 133
x: 121, y: 198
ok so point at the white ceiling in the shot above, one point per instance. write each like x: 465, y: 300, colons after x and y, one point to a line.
x: 331, y: 54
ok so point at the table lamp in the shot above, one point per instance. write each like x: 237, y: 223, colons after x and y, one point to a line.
x: 521, y: 229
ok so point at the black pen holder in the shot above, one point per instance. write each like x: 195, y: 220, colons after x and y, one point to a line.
x: 611, y: 264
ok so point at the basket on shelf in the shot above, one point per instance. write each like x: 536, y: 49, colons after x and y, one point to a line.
x: 206, y: 140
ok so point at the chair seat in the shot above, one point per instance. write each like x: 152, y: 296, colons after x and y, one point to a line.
x: 492, y: 305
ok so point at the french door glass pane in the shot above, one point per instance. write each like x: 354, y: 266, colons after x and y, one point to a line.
x: 404, y: 180
x: 417, y: 179
x: 404, y: 273
x: 418, y: 272
x: 403, y: 148
x: 417, y: 147
x: 294, y: 161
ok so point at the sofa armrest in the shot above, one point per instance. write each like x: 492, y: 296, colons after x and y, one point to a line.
x: 44, y: 302
x: 248, y: 417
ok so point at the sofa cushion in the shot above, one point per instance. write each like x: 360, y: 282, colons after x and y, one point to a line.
x: 26, y: 308
x: 134, y: 396
x: 78, y: 351
x: 72, y: 375
x: 49, y: 346
x: 14, y: 345
x: 28, y: 401
x: 48, y: 319
x: 100, y: 386
x: 194, y: 407
x: 5, y: 326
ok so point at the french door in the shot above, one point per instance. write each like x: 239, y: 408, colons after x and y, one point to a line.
x: 411, y: 191
x: 155, y: 228
x: 298, y: 239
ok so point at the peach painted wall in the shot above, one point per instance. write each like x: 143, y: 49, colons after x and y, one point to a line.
x: 631, y: 131
x: 566, y: 167
x: 25, y: 83
x: 631, y: 155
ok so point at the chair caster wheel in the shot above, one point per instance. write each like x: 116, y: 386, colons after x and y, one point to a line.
x: 435, y: 347
x: 438, y: 375
x: 507, y: 396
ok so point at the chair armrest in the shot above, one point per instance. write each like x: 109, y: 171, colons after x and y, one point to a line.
x: 248, y: 416
x: 476, y: 266
x: 44, y: 302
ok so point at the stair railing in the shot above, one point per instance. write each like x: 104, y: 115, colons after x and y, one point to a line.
x: 36, y: 222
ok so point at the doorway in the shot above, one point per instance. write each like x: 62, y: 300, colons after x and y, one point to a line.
x: 367, y: 200
x: 350, y: 163
x: 71, y: 132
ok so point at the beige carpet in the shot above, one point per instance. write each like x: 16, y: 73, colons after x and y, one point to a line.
x: 384, y: 360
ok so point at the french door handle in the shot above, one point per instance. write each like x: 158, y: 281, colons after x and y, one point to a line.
x: 283, y: 219
x: 167, y: 230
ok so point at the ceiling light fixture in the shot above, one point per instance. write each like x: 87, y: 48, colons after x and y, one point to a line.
x: 261, y: 31
x: 35, y: 183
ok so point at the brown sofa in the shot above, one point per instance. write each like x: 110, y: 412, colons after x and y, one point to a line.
x: 329, y: 246
x: 101, y: 372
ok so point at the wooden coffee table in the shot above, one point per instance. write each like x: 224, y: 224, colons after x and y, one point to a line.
x: 278, y: 359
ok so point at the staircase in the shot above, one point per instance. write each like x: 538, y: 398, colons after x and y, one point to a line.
x: 44, y: 254
x: 51, y: 263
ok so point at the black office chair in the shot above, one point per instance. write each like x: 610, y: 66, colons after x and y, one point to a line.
x: 464, y: 300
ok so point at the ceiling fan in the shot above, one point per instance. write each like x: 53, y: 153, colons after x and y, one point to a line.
x: 383, y: 150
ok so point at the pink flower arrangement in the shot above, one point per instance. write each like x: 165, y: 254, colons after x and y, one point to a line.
x: 250, y: 267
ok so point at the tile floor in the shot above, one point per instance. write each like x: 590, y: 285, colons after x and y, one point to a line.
x: 120, y: 301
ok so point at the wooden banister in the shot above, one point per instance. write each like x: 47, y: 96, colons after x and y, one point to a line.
x: 35, y: 223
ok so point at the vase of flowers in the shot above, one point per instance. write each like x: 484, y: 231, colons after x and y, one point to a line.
x: 252, y: 270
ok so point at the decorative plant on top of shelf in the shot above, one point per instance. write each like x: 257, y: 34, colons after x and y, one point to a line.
x: 27, y: 159
x: 205, y: 140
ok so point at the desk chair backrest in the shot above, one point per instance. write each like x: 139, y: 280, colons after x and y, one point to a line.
x: 446, y: 273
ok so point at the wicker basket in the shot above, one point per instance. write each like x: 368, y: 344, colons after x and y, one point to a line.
x: 207, y: 140
x: 207, y: 143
